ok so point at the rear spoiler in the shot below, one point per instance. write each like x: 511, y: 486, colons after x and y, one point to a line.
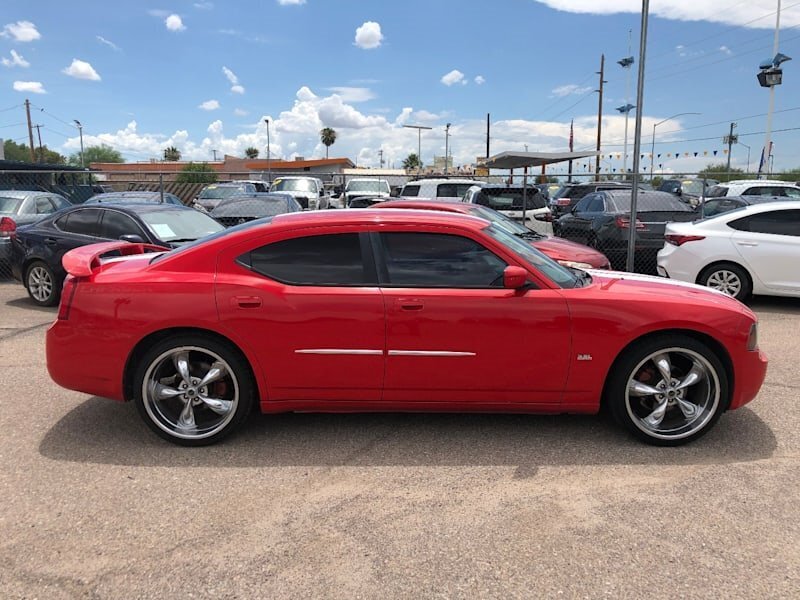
x: 82, y: 261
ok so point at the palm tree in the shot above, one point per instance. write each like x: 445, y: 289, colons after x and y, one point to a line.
x: 412, y: 162
x: 328, y: 137
x: 172, y: 154
x: 251, y: 152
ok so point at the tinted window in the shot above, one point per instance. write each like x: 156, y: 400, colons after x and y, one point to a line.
x: 717, y: 191
x: 651, y: 202
x: 44, y: 206
x: 313, y: 260
x: 596, y: 203
x: 583, y: 204
x: 452, y: 190
x: 777, y: 222
x: 410, y: 190
x: 84, y: 222
x: 115, y: 224
x: 510, y: 198
x: 716, y: 207
x: 440, y: 260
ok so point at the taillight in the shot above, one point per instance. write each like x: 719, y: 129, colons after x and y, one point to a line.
x: 7, y: 227
x: 562, y: 202
x: 678, y: 240
x: 67, y: 294
x: 625, y: 223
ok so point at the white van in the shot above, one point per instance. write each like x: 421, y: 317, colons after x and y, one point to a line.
x: 451, y: 190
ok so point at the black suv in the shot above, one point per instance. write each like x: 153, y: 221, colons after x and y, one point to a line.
x: 570, y: 193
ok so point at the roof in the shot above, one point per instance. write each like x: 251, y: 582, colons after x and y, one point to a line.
x: 23, y: 193
x: 262, y: 164
x: 134, y: 207
x: 369, y: 216
x: 758, y: 182
x: 518, y: 160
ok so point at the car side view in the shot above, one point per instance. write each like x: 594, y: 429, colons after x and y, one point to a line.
x: 392, y: 310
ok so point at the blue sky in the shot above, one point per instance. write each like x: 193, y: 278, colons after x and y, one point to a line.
x: 203, y: 75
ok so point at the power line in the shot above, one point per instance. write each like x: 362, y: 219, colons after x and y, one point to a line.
x: 13, y: 125
x: 54, y: 116
x: 716, y: 137
x: 11, y: 108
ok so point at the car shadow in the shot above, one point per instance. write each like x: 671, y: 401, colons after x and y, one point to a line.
x: 106, y: 432
x: 28, y: 304
x: 775, y: 304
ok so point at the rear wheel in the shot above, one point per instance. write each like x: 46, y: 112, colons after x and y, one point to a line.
x: 40, y: 281
x: 193, y: 390
x: 728, y: 278
x: 668, y: 390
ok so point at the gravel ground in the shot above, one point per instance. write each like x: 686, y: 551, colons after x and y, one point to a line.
x: 393, y: 506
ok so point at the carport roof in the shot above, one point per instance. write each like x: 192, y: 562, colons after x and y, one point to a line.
x: 517, y: 160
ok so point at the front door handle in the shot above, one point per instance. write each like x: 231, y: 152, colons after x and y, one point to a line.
x: 409, y: 304
x: 748, y: 244
x: 246, y: 301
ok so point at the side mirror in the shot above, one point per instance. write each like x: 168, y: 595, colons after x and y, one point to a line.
x: 546, y: 217
x: 514, y: 277
x: 132, y: 238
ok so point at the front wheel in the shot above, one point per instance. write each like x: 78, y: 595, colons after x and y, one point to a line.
x: 193, y: 390
x: 668, y: 390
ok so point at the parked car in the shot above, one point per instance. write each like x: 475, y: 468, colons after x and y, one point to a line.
x: 127, y: 197
x: 689, y: 190
x: 21, y: 207
x: 602, y: 220
x: 365, y: 186
x: 565, y: 199
x: 309, y: 192
x: 393, y: 310
x: 508, y: 199
x: 366, y: 201
x: 242, y: 208
x: 562, y: 251
x: 753, y: 249
x: 753, y: 187
x: 212, y: 194
x: 259, y: 184
x: 717, y: 206
x: 38, y: 249
x: 437, y: 189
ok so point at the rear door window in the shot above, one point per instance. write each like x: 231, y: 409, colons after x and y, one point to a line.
x: 410, y: 190
x: 116, y: 224
x: 776, y: 222
x: 83, y: 222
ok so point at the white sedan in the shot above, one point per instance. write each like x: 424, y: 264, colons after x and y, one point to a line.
x: 755, y: 249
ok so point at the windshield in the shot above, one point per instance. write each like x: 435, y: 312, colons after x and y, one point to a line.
x: 9, y: 205
x: 499, y: 219
x: 374, y: 185
x: 558, y: 274
x: 216, y: 192
x: 174, y: 225
x: 293, y: 185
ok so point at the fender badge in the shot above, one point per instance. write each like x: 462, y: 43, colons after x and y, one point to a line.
x: 584, y: 357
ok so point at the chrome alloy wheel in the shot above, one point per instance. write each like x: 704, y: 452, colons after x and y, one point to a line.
x: 40, y: 283
x: 673, y: 393
x: 190, y: 392
x: 725, y: 281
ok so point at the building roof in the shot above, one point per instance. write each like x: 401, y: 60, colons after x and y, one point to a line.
x: 20, y: 165
x: 231, y: 164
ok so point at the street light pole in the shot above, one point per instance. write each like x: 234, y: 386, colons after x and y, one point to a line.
x: 748, y: 156
x: 80, y: 132
x: 653, y: 145
x: 269, y: 157
x: 767, y: 140
x: 419, y: 129
x: 626, y: 63
x: 446, y: 145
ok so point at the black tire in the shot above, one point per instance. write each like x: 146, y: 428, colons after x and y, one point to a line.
x: 729, y: 278
x: 676, y: 415
x: 41, y: 283
x: 180, y: 411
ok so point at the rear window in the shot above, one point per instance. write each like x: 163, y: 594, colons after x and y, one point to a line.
x: 10, y: 205
x: 717, y: 191
x: 410, y: 190
x: 452, y: 190
x: 651, y: 202
x: 510, y: 198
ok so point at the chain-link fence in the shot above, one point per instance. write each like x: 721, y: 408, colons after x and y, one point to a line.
x: 580, y: 208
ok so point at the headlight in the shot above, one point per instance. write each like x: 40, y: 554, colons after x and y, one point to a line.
x: 575, y: 265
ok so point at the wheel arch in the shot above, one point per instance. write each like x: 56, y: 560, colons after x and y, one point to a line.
x: 155, y: 337
x: 716, y: 347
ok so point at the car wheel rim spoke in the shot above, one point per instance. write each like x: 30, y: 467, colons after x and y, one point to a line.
x: 672, y: 393
x: 725, y: 281
x: 181, y: 361
x: 186, y: 419
x: 221, y: 407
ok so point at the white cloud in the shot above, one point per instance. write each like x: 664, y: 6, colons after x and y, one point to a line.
x: 725, y: 50
x: 16, y: 60
x: 174, y: 23
x: 203, y: 5
x: 21, y: 31
x: 230, y: 75
x: 479, y: 79
x: 454, y: 76
x: 34, y: 87
x: 237, y: 89
x: 569, y: 90
x: 369, y: 35
x: 755, y: 14
x: 353, y: 94
x: 108, y: 43
x: 240, y: 112
x: 80, y: 69
x: 291, y: 2
x: 209, y: 105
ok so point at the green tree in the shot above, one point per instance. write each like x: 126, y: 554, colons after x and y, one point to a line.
x: 327, y: 136
x: 21, y: 152
x: 720, y: 172
x: 251, y: 152
x: 412, y: 162
x: 792, y: 175
x: 96, y: 154
x: 172, y: 154
x: 196, y: 173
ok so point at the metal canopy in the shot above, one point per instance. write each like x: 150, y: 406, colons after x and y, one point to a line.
x: 518, y: 160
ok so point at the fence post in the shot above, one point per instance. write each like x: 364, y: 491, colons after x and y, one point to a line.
x: 161, y: 186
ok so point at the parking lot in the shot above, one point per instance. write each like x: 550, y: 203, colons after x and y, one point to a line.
x: 392, y: 505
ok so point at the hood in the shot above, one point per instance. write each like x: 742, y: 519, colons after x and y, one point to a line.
x: 561, y: 249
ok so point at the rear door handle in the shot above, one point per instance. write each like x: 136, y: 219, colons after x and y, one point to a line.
x: 749, y: 244
x: 50, y: 241
x: 246, y: 301
x: 409, y: 304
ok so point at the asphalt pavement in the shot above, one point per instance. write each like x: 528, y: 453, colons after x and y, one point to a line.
x: 93, y: 505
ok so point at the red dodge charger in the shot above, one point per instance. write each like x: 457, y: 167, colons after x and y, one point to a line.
x: 392, y: 310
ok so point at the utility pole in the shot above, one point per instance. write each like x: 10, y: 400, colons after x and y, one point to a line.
x: 215, y: 154
x: 30, y: 128
x: 446, y: 146
x: 600, y: 113
x: 80, y: 132
x: 269, y: 156
x: 380, y: 157
x: 767, y: 141
x: 730, y: 139
x: 487, y: 135
x: 39, y: 133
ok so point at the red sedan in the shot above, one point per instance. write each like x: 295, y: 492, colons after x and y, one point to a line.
x: 565, y: 252
x: 392, y: 310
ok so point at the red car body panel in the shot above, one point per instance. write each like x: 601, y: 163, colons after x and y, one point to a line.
x: 556, y: 248
x: 545, y: 349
